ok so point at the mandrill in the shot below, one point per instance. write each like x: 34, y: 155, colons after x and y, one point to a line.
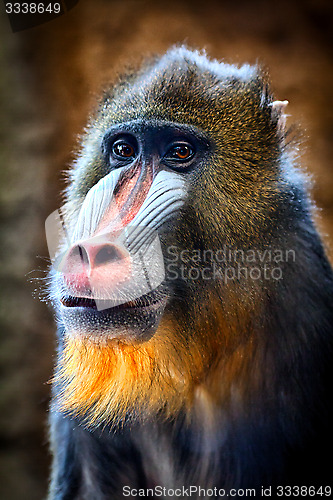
x: 193, y: 296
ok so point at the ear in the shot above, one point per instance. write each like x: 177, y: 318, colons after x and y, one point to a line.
x: 278, y: 114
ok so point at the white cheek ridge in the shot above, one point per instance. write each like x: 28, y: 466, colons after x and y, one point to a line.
x: 166, y: 195
x: 95, y: 205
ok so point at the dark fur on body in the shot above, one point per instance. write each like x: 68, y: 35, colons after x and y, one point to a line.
x: 259, y: 413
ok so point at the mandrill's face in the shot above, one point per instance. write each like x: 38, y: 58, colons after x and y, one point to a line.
x: 110, y: 280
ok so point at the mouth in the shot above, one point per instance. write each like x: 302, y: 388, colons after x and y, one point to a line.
x: 145, y: 301
x: 133, y: 320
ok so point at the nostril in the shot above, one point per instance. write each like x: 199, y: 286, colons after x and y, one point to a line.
x: 83, y: 254
x: 79, y: 254
x: 108, y: 253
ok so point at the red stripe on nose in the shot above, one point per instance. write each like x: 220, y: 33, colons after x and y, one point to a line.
x: 129, y: 194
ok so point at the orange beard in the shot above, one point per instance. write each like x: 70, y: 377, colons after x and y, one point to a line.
x: 104, y: 382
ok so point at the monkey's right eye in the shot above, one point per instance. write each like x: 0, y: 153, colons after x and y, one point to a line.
x: 123, y: 149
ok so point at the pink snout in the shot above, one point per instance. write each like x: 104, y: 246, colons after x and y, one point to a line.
x: 95, y: 268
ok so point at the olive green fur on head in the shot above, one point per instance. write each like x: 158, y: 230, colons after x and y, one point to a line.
x: 232, y: 106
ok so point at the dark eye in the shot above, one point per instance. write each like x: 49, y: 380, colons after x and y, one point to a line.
x: 180, y: 152
x: 123, y: 149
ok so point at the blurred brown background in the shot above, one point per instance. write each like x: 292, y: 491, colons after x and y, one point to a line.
x: 49, y: 78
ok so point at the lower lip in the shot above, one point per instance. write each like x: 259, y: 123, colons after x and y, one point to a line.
x: 131, y: 324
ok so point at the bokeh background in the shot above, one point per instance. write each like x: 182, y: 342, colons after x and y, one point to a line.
x: 50, y: 77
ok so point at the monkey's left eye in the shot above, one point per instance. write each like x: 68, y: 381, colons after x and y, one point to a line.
x: 123, y: 149
x: 180, y: 152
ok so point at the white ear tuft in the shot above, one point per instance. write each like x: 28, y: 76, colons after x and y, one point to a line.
x: 278, y: 108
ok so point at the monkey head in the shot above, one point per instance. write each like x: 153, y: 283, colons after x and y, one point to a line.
x: 187, y: 153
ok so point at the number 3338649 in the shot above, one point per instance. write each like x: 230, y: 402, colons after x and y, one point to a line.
x: 32, y: 8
